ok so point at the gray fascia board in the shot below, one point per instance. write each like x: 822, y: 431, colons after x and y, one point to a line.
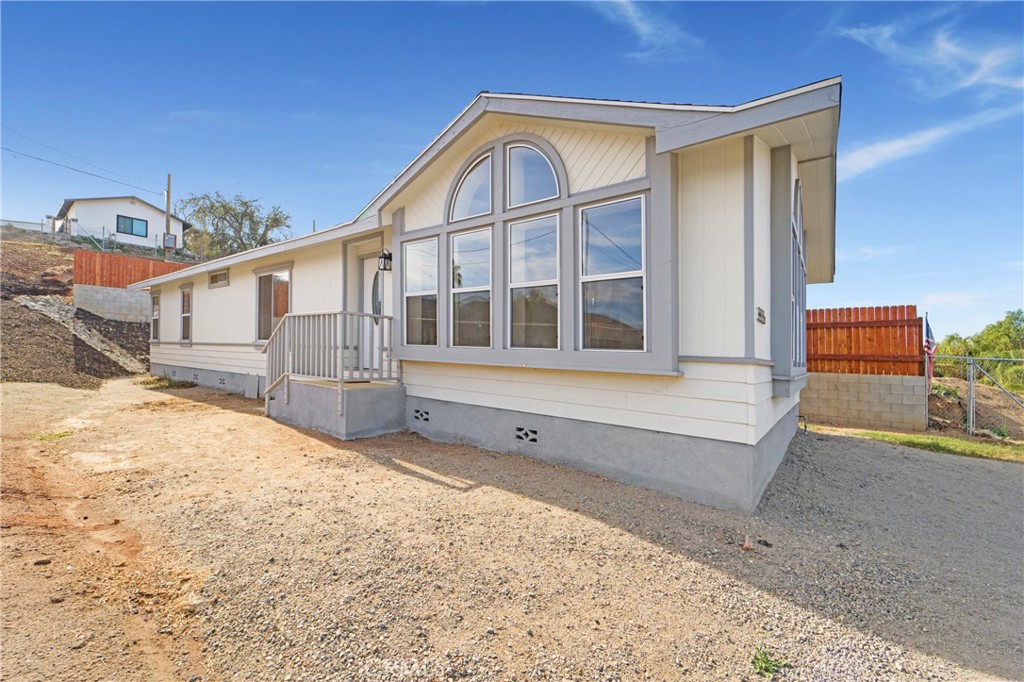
x: 300, y: 242
x: 715, y: 126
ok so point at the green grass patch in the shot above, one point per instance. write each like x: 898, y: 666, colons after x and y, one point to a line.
x: 1006, y: 452
x: 164, y: 382
x: 765, y: 664
x: 55, y: 436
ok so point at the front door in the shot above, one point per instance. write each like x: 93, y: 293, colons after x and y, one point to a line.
x: 373, y: 299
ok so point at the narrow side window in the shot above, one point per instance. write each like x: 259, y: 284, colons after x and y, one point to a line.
x: 186, y: 314
x: 154, y: 325
x: 273, y: 297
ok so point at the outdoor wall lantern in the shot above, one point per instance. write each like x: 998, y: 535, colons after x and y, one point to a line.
x: 384, y: 261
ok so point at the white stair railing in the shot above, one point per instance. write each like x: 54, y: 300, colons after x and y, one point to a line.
x: 332, y: 346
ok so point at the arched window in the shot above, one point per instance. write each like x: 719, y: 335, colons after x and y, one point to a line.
x: 473, y: 195
x: 530, y: 176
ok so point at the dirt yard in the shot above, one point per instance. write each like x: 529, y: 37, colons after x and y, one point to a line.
x: 179, y: 534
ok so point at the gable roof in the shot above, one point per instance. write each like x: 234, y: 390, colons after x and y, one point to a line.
x: 66, y: 205
x: 780, y: 117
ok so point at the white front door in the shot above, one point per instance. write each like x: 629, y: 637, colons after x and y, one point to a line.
x: 369, y: 330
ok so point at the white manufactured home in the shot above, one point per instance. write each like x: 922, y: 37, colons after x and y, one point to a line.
x: 126, y: 220
x: 615, y: 286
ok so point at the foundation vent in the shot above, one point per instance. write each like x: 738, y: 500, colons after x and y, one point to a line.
x: 221, y: 381
x: 420, y: 415
x: 526, y: 435
x: 174, y: 372
x: 195, y: 377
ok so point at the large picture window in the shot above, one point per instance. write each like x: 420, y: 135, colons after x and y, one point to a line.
x: 471, y: 288
x: 533, y: 282
x: 273, y: 301
x: 420, y: 270
x: 612, y: 275
x: 133, y: 226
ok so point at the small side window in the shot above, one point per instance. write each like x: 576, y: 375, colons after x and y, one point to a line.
x: 186, y: 314
x: 219, y: 278
x: 154, y: 324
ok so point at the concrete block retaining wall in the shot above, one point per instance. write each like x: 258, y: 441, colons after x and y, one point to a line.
x: 113, y: 303
x: 866, y: 401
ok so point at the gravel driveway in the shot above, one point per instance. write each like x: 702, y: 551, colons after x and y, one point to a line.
x: 299, y: 557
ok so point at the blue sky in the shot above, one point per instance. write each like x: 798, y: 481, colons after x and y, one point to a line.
x: 316, y: 106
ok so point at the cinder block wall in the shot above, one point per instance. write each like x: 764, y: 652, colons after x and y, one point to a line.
x: 113, y: 303
x: 866, y: 401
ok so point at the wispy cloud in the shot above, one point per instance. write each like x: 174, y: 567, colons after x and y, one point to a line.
x: 661, y: 40
x: 866, y: 253
x: 938, y: 62
x: 870, y: 157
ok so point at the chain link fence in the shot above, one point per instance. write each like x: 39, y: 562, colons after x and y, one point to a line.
x: 961, y: 378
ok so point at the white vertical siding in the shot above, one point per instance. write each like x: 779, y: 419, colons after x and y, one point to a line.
x: 711, y: 257
x: 592, y: 159
x: 762, y: 246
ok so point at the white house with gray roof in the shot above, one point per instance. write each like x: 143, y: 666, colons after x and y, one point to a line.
x: 615, y: 286
x: 127, y: 220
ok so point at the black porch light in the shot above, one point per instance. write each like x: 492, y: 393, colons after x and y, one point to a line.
x: 384, y: 261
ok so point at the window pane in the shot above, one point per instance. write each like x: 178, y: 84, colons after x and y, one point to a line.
x: 264, y: 295
x: 471, y: 259
x: 535, y: 317
x: 156, y: 306
x: 186, y: 302
x: 155, y: 331
x: 613, y: 314
x: 530, y: 177
x: 124, y: 225
x: 471, y: 322
x: 139, y: 227
x: 421, y: 266
x: 612, y: 238
x: 421, y: 320
x: 473, y: 196
x: 186, y: 328
x: 280, y: 299
x: 533, y: 250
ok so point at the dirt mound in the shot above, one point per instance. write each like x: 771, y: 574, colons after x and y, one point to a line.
x: 37, y: 348
x: 995, y: 411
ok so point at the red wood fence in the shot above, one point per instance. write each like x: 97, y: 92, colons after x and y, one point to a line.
x: 881, y: 340
x: 114, y: 270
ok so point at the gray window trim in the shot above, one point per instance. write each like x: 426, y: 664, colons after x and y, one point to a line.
x: 182, y: 341
x: 154, y: 314
x: 661, y: 286
x: 642, y: 272
x: 442, y: 257
x: 260, y: 272
x: 463, y: 173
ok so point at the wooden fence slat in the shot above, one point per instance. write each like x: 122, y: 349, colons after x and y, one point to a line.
x: 115, y: 270
x: 868, y: 340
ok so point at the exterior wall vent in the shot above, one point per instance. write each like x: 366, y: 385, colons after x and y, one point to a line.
x: 420, y: 415
x: 195, y: 377
x: 526, y: 435
x: 221, y: 381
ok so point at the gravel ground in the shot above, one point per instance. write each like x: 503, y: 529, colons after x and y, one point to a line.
x: 394, y: 558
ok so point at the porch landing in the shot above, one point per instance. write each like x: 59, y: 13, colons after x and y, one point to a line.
x: 367, y: 408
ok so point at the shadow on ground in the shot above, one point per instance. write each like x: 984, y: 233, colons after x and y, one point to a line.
x: 921, y: 549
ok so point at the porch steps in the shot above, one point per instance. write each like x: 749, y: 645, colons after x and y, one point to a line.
x: 367, y: 408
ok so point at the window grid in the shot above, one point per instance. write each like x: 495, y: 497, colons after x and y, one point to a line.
x: 641, y: 273
x: 508, y: 175
x: 135, y: 227
x: 513, y: 286
x: 186, y: 314
x: 406, y: 294
x: 458, y: 289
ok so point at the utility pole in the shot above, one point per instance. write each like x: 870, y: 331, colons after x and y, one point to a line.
x: 167, y: 218
x: 314, y: 224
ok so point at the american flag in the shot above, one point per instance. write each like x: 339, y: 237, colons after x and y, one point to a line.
x: 929, y: 349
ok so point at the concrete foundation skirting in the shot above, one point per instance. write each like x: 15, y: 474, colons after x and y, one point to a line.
x: 249, y: 385
x: 866, y: 401
x: 113, y: 303
x: 367, y: 409
x: 719, y: 473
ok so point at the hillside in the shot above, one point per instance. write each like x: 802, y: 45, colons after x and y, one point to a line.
x: 43, y: 338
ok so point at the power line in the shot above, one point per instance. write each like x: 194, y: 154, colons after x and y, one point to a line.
x: 61, y: 151
x: 79, y: 170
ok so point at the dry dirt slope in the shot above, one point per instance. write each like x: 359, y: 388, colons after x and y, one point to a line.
x: 34, y: 347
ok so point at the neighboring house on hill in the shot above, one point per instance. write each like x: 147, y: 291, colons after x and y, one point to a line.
x: 129, y: 220
x: 615, y: 286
